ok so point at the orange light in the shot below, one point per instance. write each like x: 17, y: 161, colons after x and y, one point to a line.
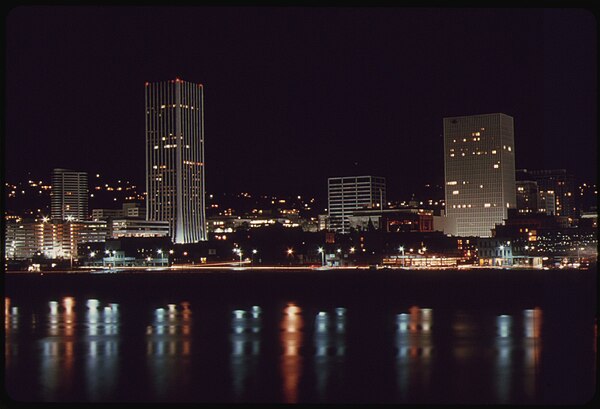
x: 68, y: 303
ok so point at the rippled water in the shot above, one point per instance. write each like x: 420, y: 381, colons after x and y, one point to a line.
x: 84, y: 344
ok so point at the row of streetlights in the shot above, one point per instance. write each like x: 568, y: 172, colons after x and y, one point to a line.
x: 114, y: 252
x: 239, y: 251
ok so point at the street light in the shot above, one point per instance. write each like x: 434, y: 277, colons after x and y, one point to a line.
x: 401, y: 248
x: 578, y: 256
x: 290, y: 252
x: 238, y: 251
x: 254, y: 251
x: 322, y: 256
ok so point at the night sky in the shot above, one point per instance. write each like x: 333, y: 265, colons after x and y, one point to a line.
x: 295, y: 95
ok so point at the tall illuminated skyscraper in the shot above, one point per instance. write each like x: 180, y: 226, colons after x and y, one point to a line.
x: 175, y: 158
x: 479, y: 158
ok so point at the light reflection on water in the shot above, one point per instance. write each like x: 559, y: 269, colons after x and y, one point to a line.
x: 532, y: 343
x: 168, y: 348
x: 245, y: 350
x: 413, y: 349
x: 291, y: 360
x: 80, y: 349
x: 102, y: 346
x: 504, y: 351
x: 330, y: 349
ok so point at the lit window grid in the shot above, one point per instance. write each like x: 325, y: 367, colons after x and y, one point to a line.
x: 350, y: 193
x: 69, y: 195
x: 473, y: 170
x: 175, y: 171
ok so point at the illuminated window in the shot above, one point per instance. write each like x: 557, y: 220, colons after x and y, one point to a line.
x: 495, y: 166
x: 455, y: 192
x: 487, y: 205
x: 452, y: 182
x: 494, y: 152
x: 509, y: 149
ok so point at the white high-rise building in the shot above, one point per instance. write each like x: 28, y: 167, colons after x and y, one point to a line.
x: 175, y: 158
x: 69, y: 195
x: 479, y: 158
x: 350, y: 193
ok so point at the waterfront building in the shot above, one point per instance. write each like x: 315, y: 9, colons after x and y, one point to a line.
x: 348, y: 194
x: 52, y: 239
x: 175, y: 158
x: 494, y: 251
x: 479, y: 159
x: 69, y: 195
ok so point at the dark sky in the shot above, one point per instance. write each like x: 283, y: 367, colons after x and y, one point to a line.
x: 295, y: 95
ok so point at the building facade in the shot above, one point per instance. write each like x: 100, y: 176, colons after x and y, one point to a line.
x: 134, y: 210
x: 69, y: 195
x: 347, y: 194
x: 175, y: 158
x: 558, y: 182
x: 479, y: 159
x: 392, y: 220
x: 53, y: 239
x: 527, y: 196
x: 132, y: 227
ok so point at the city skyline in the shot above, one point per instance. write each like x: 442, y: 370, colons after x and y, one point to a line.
x: 356, y: 109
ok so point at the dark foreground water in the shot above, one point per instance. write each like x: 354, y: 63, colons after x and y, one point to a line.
x: 486, y: 336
